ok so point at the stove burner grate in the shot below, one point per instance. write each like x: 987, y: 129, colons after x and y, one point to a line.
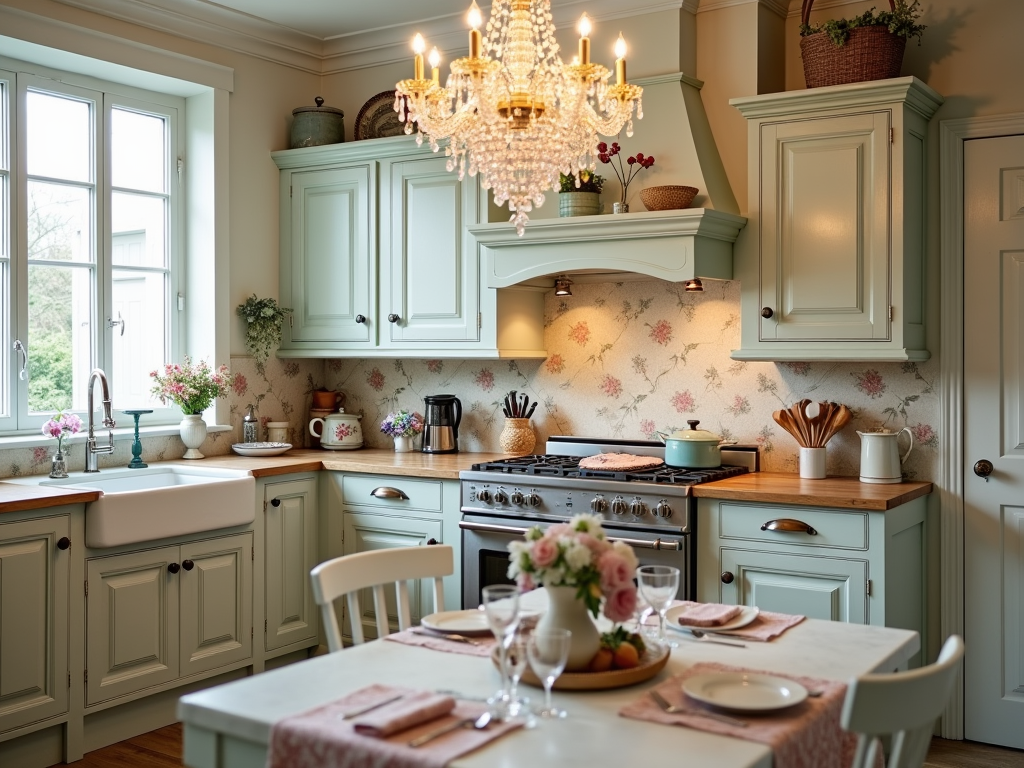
x: 665, y: 474
x: 555, y: 466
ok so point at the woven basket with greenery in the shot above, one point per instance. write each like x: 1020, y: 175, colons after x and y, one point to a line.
x: 866, y: 47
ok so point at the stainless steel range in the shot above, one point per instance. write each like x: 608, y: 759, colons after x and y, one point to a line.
x: 651, y: 510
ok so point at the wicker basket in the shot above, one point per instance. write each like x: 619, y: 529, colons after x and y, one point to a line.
x: 870, y: 53
x: 667, y: 198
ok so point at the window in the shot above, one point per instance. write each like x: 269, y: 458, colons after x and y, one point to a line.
x: 89, y: 245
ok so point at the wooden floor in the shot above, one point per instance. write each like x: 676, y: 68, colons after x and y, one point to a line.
x: 162, y: 749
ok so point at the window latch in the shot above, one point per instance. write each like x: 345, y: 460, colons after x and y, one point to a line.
x: 19, y: 347
x: 120, y: 321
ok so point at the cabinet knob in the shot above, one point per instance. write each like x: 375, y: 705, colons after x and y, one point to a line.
x: 788, y: 525
x: 360, y: 319
x: 275, y: 502
x: 393, y: 318
x: 983, y: 468
x: 173, y: 567
x: 431, y: 541
x: 766, y: 312
x: 64, y: 543
x: 727, y: 577
x: 188, y: 565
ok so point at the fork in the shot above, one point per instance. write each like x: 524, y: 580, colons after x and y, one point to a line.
x: 673, y: 709
x: 446, y: 636
x: 698, y: 634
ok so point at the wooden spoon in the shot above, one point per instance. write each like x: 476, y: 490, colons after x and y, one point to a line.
x: 786, y: 420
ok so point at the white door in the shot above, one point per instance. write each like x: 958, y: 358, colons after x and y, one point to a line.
x: 994, y: 432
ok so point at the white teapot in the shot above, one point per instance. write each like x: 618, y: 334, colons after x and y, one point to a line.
x: 880, y: 460
x: 339, y: 431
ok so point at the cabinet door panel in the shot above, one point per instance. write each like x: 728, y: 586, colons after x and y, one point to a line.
x: 291, y: 554
x: 369, y: 532
x: 332, y: 276
x: 828, y: 588
x: 132, y: 623
x: 216, y: 603
x: 435, y: 277
x: 825, y: 228
x: 33, y: 621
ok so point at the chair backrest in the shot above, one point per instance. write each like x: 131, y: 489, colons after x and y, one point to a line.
x: 902, y: 704
x: 348, y: 574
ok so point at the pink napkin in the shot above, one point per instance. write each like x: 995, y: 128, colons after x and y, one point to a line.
x: 767, y: 626
x: 805, y: 736
x: 481, y: 646
x: 708, y: 614
x: 322, y: 738
x: 416, y: 708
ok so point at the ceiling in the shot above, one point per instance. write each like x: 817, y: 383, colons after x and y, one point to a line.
x: 331, y: 18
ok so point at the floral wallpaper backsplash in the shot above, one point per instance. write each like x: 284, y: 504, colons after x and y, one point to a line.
x: 624, y: 360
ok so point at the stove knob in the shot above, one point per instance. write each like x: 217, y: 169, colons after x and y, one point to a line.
x: 619, y: 506
x: 533, y: 500
x: 500, y: 497
x: 663, y: 509
x: 598, y: 504
x: 517, y: 498
x: 637, y: 508
x: 484, y: 496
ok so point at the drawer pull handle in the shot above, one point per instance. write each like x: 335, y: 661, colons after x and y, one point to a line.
x: 387, y: 492
x: 173, y: 567
x: 188, y: 565
x: 788, y: 525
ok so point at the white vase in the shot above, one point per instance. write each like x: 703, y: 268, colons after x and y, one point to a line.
x: 403, y: 444
x: 565, y: 611
x: 193, y: 431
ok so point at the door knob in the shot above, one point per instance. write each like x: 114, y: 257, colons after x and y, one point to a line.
x: 983, y: 468
x: 431, y: 542
x: 360, y: 319
x: 766, y: 312
x: 188, y: 565
x: 727, y: 577
x: 393, y: 318
x: 64, y: 543
x: 275, y: 502
x: 173, y: 567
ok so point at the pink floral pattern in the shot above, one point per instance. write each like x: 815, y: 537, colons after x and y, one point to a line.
x: 683, y: 402
x: 485, y: 379
x: 376, y: 379
x: 661, y: 332
x: 239, y: 385
x: 924, y: 435
x: 870, y: 382
x: 611, y: 386
x: 554, y: 364
x: 580, y: 333
x: 435, y: 366
x: 342, y: 431
x: 648, y: 428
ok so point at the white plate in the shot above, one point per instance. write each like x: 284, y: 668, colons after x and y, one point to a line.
x: 260, y: 449
x: 747, y: 614
x: 462, y: 622
x: 744, y: 692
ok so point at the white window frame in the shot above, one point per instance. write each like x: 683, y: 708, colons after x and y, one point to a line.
x: 105, y: 95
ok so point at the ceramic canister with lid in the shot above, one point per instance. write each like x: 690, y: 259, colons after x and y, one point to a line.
x: 340, y: 431
x: 313, y: 126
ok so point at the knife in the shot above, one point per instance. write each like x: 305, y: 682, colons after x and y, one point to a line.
x: 707, y: 637
x: 371, y: 707
x: 455, y: 638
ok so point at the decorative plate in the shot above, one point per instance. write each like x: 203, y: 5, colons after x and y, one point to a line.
x: 378, y: 118
x: 744, y: 691
x: 651, y: 663
x: 261, y: 449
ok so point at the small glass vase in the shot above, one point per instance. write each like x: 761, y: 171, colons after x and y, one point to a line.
x: 403, y: 444
x: 58, y: 465
x: 566, y: 611
x: 620, y: 207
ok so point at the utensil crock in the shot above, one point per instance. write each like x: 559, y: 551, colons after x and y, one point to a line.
x: 880, y: 460
x: 692, y: 448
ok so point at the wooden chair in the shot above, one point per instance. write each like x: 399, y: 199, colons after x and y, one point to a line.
x: 348, y: 574
x: 903, y: 705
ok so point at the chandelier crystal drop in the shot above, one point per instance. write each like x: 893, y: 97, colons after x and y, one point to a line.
x: 512, y: 111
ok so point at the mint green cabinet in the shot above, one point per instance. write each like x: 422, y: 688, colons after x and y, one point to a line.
x: 34, y: 586
x: 839, y: 564
x: 290, y: 550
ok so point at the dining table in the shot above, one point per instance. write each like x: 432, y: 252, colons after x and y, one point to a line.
x: 229, y: 726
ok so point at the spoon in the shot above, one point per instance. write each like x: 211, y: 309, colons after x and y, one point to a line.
x: 479, y: 724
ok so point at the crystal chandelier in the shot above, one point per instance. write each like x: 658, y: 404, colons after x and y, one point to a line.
x: 512, y: 111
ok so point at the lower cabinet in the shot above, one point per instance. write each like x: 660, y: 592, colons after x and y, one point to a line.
x: 156, y: 615
x: 34, y: 571
x: 837, y: 564
x: 290, y: 514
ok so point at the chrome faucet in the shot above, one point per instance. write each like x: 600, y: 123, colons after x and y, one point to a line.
x: 108, y: 421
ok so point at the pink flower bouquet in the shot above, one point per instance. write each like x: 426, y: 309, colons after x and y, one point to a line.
x: 578, y: 554
x: 60, y: 426
x: 190, y: 386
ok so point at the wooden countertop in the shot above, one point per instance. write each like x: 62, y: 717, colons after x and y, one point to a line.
x: 19, y: 498
x: 378, y: 461
x: 785, y: 488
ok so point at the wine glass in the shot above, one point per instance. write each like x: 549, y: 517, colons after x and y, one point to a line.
x: 548, y: 651
x: 501, y: 606
x: 516, y: 660
x: 658, y: 585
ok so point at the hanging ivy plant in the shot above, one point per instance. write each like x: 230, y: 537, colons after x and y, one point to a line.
x: 900, y: 21
x: 264, y: 321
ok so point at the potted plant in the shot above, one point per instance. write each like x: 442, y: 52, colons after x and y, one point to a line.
x: 403, y: 426
x: 192, y: 387
x: 866, y: 47
x: 579, y: 194
x: 264, y: 321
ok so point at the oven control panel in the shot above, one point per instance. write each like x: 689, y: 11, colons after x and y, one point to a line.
x: 618, y: 507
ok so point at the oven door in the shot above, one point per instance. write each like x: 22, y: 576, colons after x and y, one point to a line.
x: 485, y: 541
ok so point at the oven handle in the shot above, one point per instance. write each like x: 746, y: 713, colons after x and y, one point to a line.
x: 641, y: 543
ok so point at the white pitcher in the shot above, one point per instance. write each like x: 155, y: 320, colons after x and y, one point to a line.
x: 880, y: 460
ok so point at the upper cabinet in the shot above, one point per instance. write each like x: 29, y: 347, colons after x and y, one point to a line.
x: 376, y: 260
x: 833, y: 263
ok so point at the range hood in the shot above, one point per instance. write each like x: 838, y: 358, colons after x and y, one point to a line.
x: 675, y: 245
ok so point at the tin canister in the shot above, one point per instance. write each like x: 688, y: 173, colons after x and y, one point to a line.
x: 313, y: 126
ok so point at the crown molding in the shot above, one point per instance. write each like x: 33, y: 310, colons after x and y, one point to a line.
x: 778, y: 7
x: 819, y: 5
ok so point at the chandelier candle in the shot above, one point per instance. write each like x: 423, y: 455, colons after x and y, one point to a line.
x: 512, y: 111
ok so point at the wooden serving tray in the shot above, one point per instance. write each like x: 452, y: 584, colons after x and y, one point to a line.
x: 651, y: 663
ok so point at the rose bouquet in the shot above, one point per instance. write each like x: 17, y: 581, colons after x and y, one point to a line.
x: 625, y: 173
x: 191, y: 387
x: 578, y: 554
x: 61, y: 426
x: 402, y: 424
